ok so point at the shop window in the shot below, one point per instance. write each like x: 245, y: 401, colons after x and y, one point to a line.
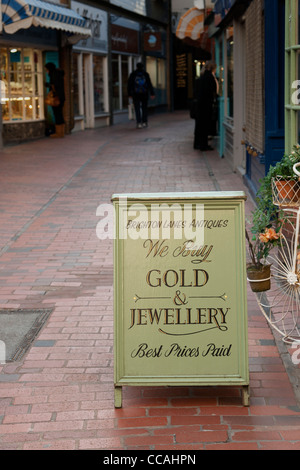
x: 157, y: 71
x: 115, y: 83
x: 21, y: 76
x: 99, y: 105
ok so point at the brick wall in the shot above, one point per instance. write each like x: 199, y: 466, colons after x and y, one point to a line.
x: 255, y: 111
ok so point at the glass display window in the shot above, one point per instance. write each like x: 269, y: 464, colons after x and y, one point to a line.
x: 99, y: 104
x: 21, y: 76
x: 156, y: 67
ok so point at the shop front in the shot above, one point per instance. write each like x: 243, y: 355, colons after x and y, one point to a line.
x: 31, y: 37
x: 140, y: 35
x: 90, y: 71
x: 229, y: 34
x: 22, y: 91
x: 126, y: 53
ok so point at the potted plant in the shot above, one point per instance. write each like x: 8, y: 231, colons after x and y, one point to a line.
x: 265, y: 230
x: 268, y: 219
x: 284, y: 182
x: 265, y: 236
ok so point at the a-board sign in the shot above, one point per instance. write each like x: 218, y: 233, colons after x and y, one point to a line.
x: 180, y: 307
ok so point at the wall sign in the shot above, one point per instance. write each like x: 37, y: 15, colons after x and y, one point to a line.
x: 180, y: 310
x: 137, y: 6
x: 124, y: 39
x: 97, y: 21
x: 152, y: 41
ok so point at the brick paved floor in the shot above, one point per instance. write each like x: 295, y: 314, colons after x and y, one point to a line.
x: 60, y: 395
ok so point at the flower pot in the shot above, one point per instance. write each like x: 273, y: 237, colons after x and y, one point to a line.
x: 286, y: 191
x: 259, y: 278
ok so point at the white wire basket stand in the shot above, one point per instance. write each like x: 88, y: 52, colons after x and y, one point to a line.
x: 281, y: 304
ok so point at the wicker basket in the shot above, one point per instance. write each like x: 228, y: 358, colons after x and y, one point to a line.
x: 260, y: 279
x: 286, y: 191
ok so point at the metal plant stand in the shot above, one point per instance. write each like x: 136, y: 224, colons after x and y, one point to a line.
x: 281, y: 304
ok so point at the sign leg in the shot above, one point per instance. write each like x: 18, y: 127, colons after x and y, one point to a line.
x: 246, y: 395
x: 118, y: 397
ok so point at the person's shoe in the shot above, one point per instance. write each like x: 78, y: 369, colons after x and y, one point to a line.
x: 59, y: 131
x: 145, y: 124
x: 139, y: 126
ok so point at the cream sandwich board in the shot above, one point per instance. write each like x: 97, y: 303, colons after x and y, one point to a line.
x: 180, y: 307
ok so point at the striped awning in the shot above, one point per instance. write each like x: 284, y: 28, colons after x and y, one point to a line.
x: 22, y: 14
x: 191, y: 24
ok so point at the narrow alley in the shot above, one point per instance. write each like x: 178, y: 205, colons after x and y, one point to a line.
x: 56, y: 279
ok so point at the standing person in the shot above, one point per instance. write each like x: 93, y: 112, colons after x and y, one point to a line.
x: 56, y: 84
x: 205, y: 92
x: 139, y: 87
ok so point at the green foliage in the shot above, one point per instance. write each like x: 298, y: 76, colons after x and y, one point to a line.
x: 267, y: 215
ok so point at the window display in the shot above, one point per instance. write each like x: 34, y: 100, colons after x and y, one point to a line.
x: 21, y: 76
x: 98, y: 84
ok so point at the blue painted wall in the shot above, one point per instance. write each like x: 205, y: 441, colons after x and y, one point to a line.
x: 274, y: 81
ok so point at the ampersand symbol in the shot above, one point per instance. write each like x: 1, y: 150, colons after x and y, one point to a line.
x: 180, y: 299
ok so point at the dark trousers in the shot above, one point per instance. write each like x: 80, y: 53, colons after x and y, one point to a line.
x: 58, y: 114
x: 141, y: 108
x: 201, y: 133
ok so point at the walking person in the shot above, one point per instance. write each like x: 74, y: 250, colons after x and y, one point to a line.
x: 206, y: 89
x: 139, y: 86
x: 56, y: 84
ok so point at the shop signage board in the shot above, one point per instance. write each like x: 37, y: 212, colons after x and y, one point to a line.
x: 180, y: 307
x: 96, y: 20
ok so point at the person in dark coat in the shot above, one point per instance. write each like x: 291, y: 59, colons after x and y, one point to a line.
x: 56, y: 84
x: 139, y: 86
x: 206, y: 87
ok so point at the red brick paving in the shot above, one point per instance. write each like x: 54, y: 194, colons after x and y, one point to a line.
x: 61, y: 395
